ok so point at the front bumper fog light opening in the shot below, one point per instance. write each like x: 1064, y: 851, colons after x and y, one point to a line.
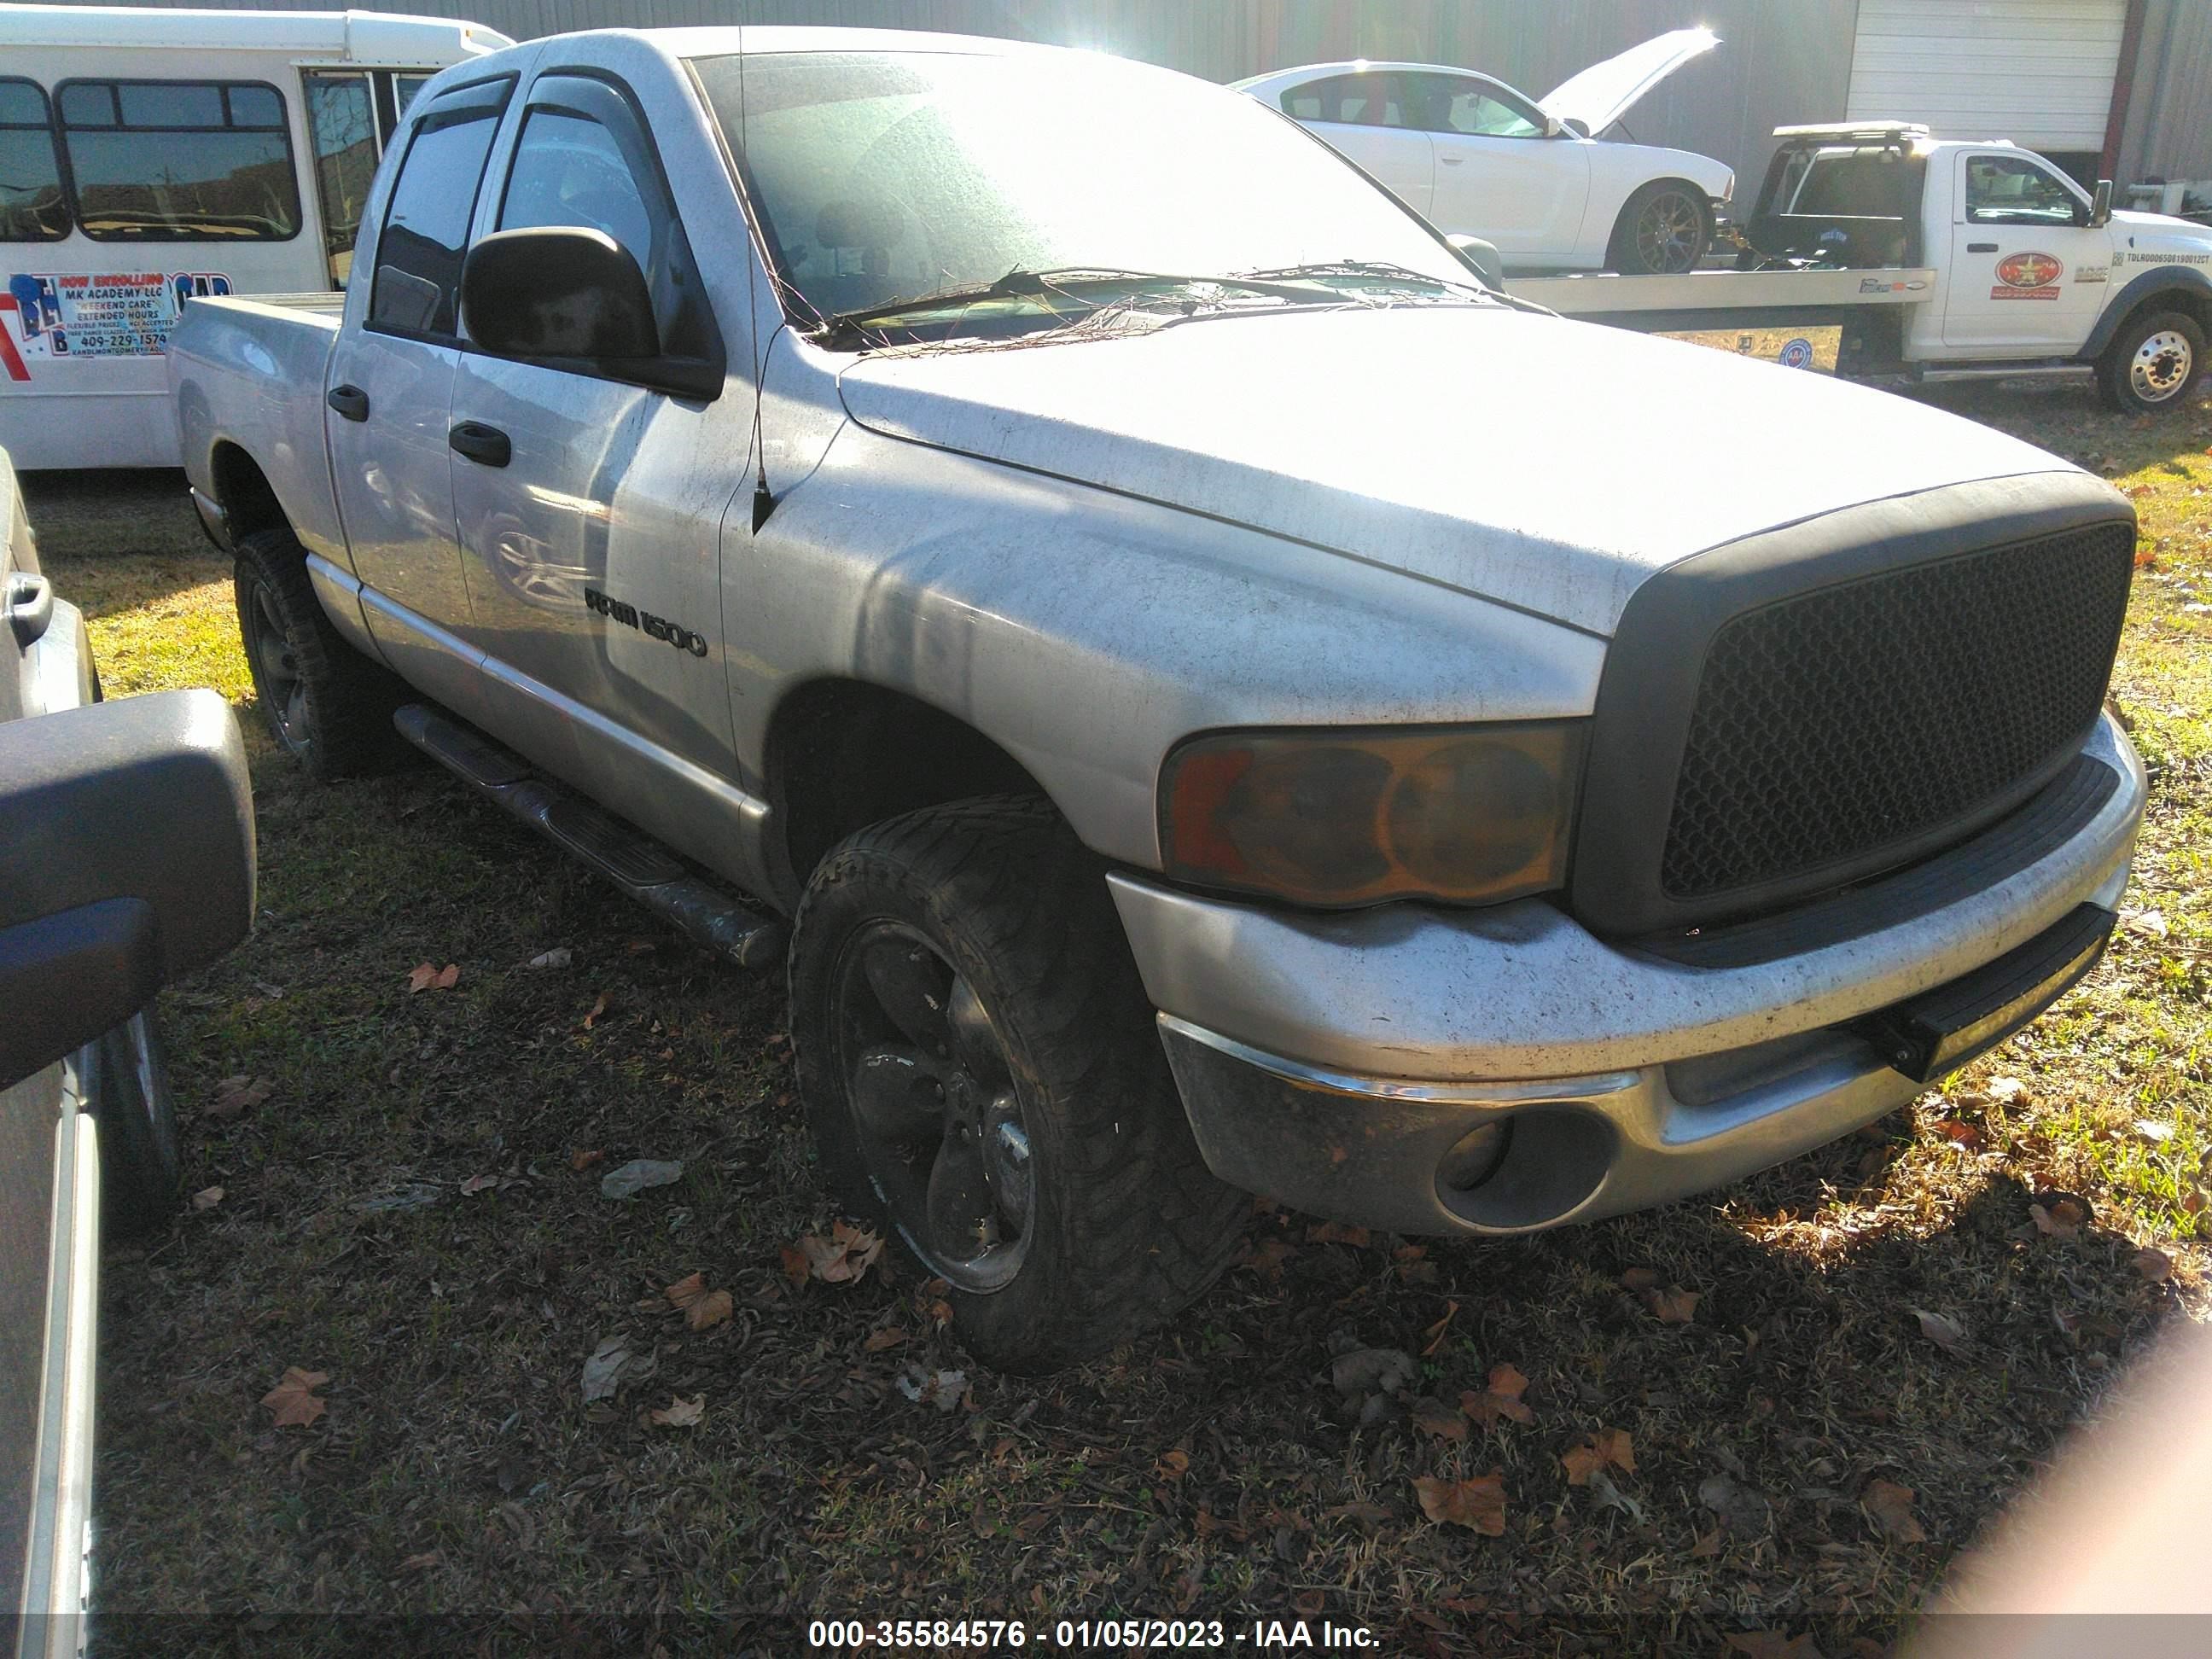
x: 1526, y: 1168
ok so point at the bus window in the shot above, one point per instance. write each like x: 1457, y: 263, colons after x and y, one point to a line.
x: 32, y: 207
x: 179, y: 161
x: 342, y: 129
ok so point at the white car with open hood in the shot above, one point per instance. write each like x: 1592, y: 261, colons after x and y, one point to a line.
x: 1532, y: 175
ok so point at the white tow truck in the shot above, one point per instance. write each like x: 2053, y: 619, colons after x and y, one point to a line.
x: 1940, y: 260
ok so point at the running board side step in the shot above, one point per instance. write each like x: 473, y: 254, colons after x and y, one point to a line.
x: 626, y: 856
x: 2030, y: 371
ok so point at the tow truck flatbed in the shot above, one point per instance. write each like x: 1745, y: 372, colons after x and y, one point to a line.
x: 1724, y: 299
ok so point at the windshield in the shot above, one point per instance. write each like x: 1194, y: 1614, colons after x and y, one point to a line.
x: 880, y: 177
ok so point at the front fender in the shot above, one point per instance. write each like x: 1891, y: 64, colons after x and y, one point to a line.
x: 2189, y: 280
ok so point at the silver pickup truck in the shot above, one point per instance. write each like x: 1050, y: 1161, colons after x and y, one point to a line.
x: 1208, y: 697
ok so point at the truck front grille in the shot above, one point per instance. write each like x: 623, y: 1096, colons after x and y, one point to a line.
x: 1833, y: 724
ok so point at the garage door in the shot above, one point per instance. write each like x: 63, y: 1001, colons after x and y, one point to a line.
x: 2039, y: 72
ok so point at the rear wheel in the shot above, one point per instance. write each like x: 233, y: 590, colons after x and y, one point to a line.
x: 326, y: 704
x: 2151, y: 363
x: 980, y: 1069
x: 125, y: 1076
x: 1663, y: 230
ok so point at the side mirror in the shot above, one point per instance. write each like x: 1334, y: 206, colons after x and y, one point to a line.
x: 1482, y: 258
x: 1576, y: 125
x: 103, y: 899
x: 2100, y: 205
x: 557, y: 291
x: 1553, y: 126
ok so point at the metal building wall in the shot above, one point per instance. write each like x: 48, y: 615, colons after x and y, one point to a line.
x: 1779, y: 60
x: 2168, y: 132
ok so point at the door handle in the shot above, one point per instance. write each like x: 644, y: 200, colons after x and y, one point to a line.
x: 30, y: 604
x: 1451, y: 160
x: 350, y: 401
x: 486, y: 445
x: 1981, y: 247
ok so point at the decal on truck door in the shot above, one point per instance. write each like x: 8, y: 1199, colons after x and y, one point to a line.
x: 75, y: 314
x: 2027, y: 276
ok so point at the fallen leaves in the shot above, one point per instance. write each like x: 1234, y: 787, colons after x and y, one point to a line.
x: 702, y: 1308
x: 1501, y: 1399
x: 679, y: 1413
x: 584, y: 1158
x: 2059, y: 1215
x: 1433, y: 1417
x: 1670, y: 1305
x: 943, y: 1390
x: 598, y: 1012
x: 1477, y: 1504
x: 1945, y: 1332
x: 1612, y: 1446
x: 640, y: 1172
x: 603, y: 1371
x: 1891, y: 1506
x: 207, y: 1198
x: 293, y: 1401
x: 2154, y: 1265
x: 559, y: 956
x: 424, y: 977
x: 234, y: 1096
x: 1173, y: 1465
x: 843, y: 1258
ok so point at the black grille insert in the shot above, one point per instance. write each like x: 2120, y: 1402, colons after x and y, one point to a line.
x: 1831, y: 725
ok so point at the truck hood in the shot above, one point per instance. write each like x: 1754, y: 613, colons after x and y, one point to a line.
x: 1605, y: 92
x: 2161, y: 233
x: 1548, y: 465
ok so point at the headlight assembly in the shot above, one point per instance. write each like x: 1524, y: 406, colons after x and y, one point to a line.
x: 1468, y: 815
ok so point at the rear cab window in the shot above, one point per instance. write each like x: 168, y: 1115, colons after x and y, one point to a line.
x: 179, y: 161
x: 425, y: 227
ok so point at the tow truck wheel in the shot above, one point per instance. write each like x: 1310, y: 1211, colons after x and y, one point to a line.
x: 327, y: 705
x: 979, y: 1065
x: 2151, y: 363
x: 1662, y: 231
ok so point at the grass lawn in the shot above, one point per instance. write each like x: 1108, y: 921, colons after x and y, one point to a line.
x: 403, y: 1210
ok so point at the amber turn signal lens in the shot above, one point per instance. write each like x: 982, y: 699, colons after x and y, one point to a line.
x: 1463, y: 814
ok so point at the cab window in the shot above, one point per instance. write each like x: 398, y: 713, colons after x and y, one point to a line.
x: 583, y: 160
x: 179, y: 161
x: 2011, y: 190
x: 426, y: 228
x: 32, y: 206
x: 1359, y: 101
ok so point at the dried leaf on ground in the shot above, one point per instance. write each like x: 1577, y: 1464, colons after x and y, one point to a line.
x: 559, y: 956
x: 943, y: 1390
x: 2156, y: 1266
x: 1502, y: 1399
x: 1477, y: 1504
x: 1433, y: 1417
x: 2059, y: 1215
x: 1435, y: 1331
x: 1173, y: 1465
x: 207, y: 1198
x: 1965, y: 1134
x: 1371, y: 1371
x: 293, y: 1401
x: 2007, y: 1091
x: 1607, y: 1446
x: 476, y: 1183
x: 843, y: 1258
x: 1610, y: 1497
x: 634, y: 1176
x: 584, y: 1158
x: 236, y: 1095
x: 603, y: 1371
x: 702, y: 1308
x: 1638, y: 1278
x: 889, y: 1337
x: 424, y: 977
x: 679, y: 1412
x: 1945, y: 1332
x: 1891, y: 1506
x: 1335, y: 1232
x: 598, y: 1012
x: 1672, y: 1305
x: 796, y: 1267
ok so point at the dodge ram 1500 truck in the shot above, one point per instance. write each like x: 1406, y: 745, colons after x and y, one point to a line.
x: 1052, y: 548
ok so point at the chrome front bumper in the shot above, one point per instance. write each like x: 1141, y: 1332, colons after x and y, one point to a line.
x: 1333, y: 1060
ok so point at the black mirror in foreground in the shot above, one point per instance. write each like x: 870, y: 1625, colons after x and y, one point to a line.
x: 1481, y: 258
x: 560, y: 292
x: 126, y: 860
x: 2100, y: 205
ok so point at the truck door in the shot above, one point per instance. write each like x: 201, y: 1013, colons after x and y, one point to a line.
x: 391, y: 386
x: 591, y: 527
x: 2027, y: 274
x: 1498, y: 176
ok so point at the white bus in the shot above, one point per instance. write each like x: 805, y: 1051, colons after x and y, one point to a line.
x: 149, y: 156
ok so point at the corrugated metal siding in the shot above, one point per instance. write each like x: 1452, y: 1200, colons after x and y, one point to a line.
x: 2039, y: 72
x: 2169, y: 127
x: 1780, y: 60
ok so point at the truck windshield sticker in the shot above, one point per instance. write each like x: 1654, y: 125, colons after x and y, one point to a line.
x: 77, y: 314
x: 2027, y: 276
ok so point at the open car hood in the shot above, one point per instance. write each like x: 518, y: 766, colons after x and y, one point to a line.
x: 1605, y: 92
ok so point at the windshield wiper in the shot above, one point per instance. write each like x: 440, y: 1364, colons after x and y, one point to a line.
x: 1379, y: 270
x: 1074, y: 282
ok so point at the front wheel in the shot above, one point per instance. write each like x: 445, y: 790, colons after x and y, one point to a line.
x: 980, y: 1067
x: 1663, y: 230
x: 2151, y: 363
